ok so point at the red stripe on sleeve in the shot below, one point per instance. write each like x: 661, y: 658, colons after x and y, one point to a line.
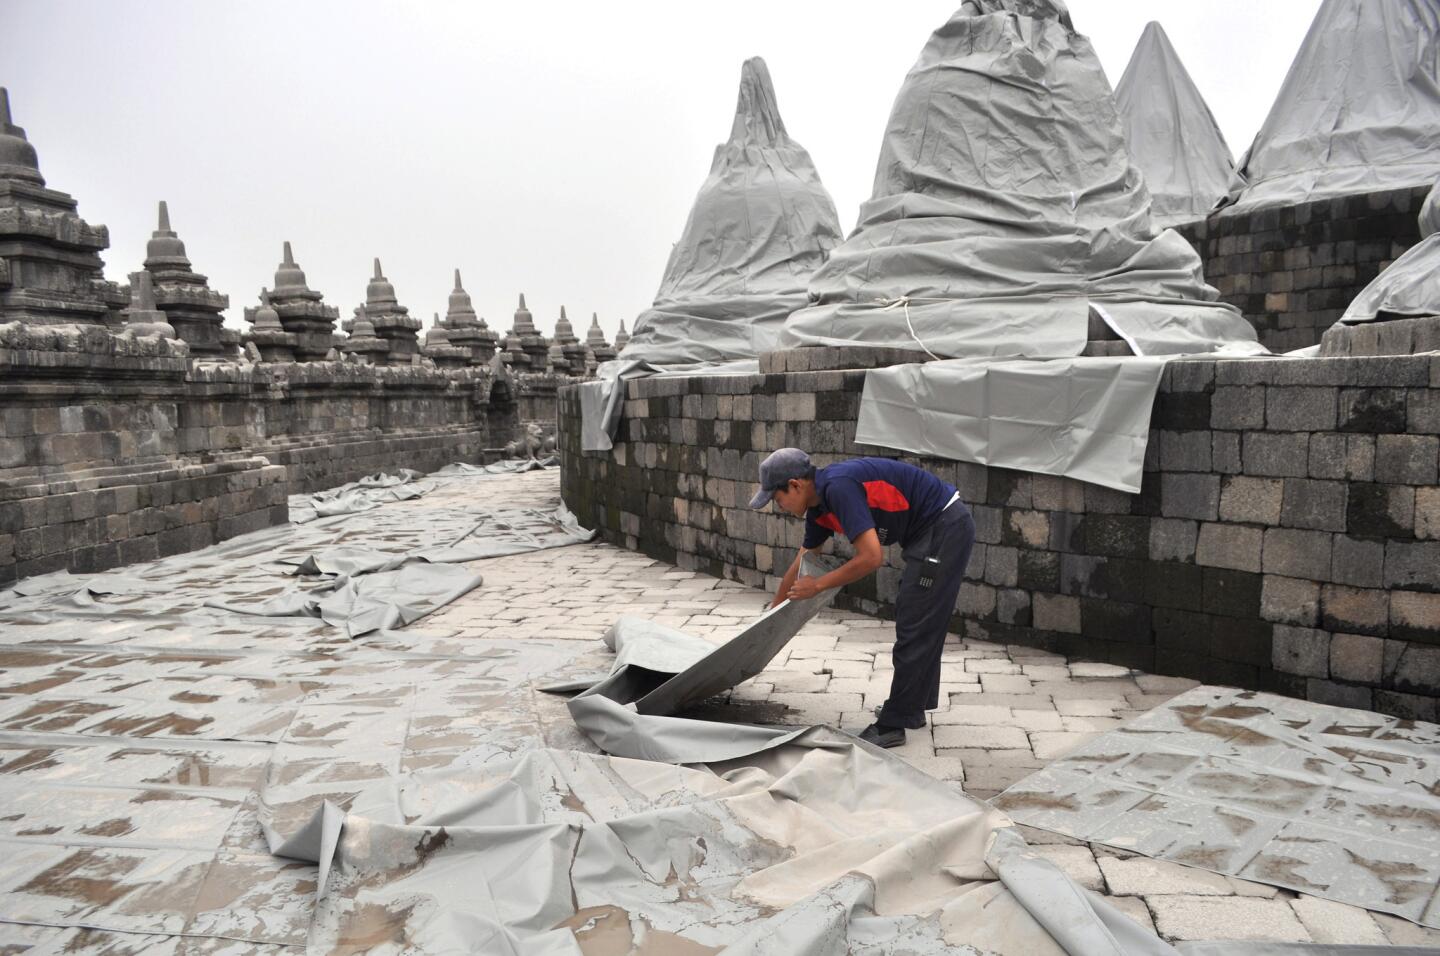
x: 830, y: 521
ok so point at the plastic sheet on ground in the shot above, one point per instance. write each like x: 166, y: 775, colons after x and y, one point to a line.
x: 1006, y: 212
x: 1337, y: 803
x: 1171, y: 134
x: 1358, y: 112
x: 139, y: 729
x: 761, y: 224
x: 1083, y: 418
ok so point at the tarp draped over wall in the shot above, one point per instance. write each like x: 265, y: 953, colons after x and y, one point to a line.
x: 1359, y: 110
x: 1171, y: 133
x: 1410, y: 286
x: 1005, y: 205
x: 761, y: 224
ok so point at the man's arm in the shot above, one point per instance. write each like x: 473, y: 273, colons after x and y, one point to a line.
x: 788, y: 581
x: 868, y: 557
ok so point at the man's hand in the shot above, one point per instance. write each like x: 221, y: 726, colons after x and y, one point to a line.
x: 805, y: 587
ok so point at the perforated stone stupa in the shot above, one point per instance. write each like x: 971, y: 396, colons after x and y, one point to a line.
x: 303, y: 312
x: 465, y: 329
x: 50, y: 268
x: 184, y: 295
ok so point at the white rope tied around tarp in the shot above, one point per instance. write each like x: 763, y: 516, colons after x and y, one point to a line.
x: 904, y: 302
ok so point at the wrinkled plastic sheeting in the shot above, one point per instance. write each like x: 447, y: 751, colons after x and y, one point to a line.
x: 1171, y: 134
x: 1006, y: 211
x: 369, y: 492
x: 1430, y: 213
x: 1082, y: 418
x: 659, y: 672
x: 1409, y: 286
x: 1337, y: 803
x: 1358, y: 112
x: 818, y: 846
x: 603, y: 399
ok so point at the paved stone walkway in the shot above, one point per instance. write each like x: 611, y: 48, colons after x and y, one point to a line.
x: 1006, y: 711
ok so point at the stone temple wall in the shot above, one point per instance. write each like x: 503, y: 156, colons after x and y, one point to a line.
x: 1292, y: 270
x: 1286, y: 536
x: 116, y: 449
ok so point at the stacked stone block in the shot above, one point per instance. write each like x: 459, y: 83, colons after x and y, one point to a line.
x: 1292, y: 270
x: 1286, y: 536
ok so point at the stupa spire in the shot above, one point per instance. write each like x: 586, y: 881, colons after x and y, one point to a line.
x: 18, y: 159
x: 458, y: 286
x: 289, y: 259
x: 757, y: 117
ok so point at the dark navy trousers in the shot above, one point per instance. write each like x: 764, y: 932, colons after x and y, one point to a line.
x: 922, y: 614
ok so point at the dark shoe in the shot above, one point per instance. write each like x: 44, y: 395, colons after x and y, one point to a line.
x: 883, y: 738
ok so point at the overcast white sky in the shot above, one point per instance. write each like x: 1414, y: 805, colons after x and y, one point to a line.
x: 551, y: 148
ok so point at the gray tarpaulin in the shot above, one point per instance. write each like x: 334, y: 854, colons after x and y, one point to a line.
x: 761, y: 224
x: 1410, y: 286
x: 1006, y: 209
x: 1430, y: 213
x: 1084, y: 418
x: 1333, y: 802
x: 1171, y: 133
x: 1359, y: 110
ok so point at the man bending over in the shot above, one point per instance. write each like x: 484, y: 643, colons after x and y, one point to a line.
x: 877, y: 502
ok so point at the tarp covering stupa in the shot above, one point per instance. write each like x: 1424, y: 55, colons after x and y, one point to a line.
x: 1006, y: 213
x: 761, y: 225
x: 1410, y: 286
x: 1359, y: 110
x: 1005, y: 207
x: 1171, y: 133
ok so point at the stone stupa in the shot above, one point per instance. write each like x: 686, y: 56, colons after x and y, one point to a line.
x: 622, y: 338
x: 267, y: 334
x: 50, y: 268
x: 190, y: 305
x: 440, y: 350
x: 391, y: 321
x: 532, y: 342
x: 571, y: 347
x: 303, y: 312
x: 599, y: 349
x: 465, y: 329
x: 363, y: 343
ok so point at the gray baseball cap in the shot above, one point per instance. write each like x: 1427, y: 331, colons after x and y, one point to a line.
x: 776, y: 471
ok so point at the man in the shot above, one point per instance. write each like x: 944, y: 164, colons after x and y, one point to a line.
x: 877, y: 502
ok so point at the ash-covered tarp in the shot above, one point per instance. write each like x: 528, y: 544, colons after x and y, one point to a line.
x: 761, y: 224
x: 1338, y: 803
x: 1410, y: 286
x: 1358, y: 112
x: 1083, y: 418
x: 1006, y: 209
x: 1171, y: 133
